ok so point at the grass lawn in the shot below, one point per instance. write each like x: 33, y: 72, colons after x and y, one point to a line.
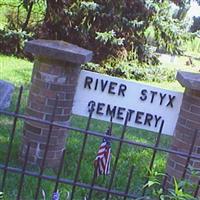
x: 14, y: 70
x: 19, y: 72
x: 178, y: 64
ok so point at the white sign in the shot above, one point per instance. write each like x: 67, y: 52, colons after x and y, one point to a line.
x: 147, y: 105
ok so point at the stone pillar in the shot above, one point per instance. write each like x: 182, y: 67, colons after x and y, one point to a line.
x: 55, y: 73
x: 188, y: 122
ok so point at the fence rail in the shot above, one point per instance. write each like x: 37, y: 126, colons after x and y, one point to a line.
x: 57, y: 179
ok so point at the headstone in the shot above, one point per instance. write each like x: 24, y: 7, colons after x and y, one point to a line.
x: 6, y: 91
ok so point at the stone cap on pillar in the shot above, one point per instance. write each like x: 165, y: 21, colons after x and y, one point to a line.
x: 58, y: 50
x: 189, y: 80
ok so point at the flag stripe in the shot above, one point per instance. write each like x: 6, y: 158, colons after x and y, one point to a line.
x: 102, y: 160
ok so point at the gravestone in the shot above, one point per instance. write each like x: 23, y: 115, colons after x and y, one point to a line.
x: 6, y: 91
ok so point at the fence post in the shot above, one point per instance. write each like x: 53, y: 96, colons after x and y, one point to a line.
x: 187, y: 124
x: 55, y: 73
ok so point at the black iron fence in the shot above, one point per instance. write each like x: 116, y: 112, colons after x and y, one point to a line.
x: 75, y: 183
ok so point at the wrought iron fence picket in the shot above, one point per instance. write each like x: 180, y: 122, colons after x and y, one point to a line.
x: 81, y: 153
x: 42, y: 166
x: 11, y: 137
x: 117, y: 155
x: 22, y: 174
x: 129, y: 181
x: 153, y: 157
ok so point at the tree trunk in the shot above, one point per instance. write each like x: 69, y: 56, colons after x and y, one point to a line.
x: 55, y: 21
x: 24, y: 26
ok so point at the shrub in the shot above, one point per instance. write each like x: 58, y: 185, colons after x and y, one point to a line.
x: 179, y: 190
x: 132, y: 69
x: 12, y: 42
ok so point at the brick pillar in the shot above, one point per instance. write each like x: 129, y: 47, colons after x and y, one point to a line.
x: 55, y: 73
x: 188, y: 121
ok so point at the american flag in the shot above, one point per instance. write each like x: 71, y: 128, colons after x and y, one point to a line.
x: 102, y: 160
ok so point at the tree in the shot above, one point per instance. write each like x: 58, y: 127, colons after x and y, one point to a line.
x: 28, y: 6
x: 108, y: 27
x: 182, y: 2
x: 55, y: 22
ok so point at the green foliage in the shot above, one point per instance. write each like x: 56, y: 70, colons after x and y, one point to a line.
x: 192, y: 46
x: 16, y: 25
x: 89, y: 6
x: 131, y: 69
x: 178, y: 192
x: 194, y: 172
x: 15, y: 14
x: 110, y: 29
x: 12, y: 41
x: 181, y: 190
x: 169, y: 33
x: 109, y: 38
x: 101, y: 27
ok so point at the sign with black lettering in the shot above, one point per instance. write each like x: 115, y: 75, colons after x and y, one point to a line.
x: 147, y: 105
